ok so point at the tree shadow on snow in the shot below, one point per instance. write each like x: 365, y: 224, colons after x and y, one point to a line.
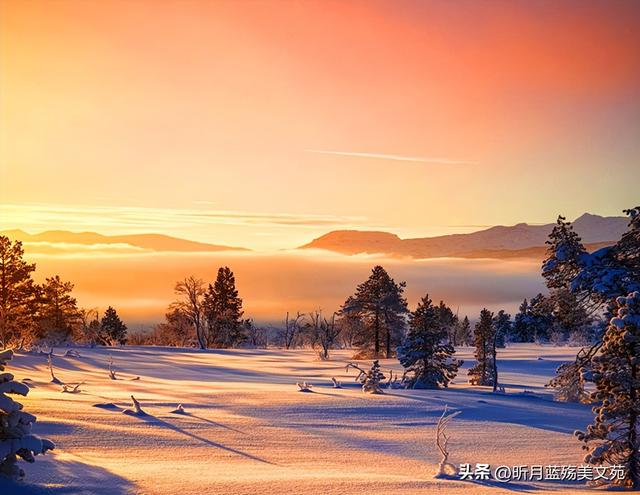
x: 212, y: 423
x: 154, y: 420
x: 65, y: 475
x: 520, y: 409
x: 537, y: 486
x: 511, y: 486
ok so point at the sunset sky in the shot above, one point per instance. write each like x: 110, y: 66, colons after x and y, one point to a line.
x: 265, y: 124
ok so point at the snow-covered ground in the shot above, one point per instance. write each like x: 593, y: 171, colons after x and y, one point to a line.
x: 248, y: 430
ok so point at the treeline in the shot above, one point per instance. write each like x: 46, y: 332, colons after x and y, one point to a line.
x: 47, y: 313
x: 373, y: 321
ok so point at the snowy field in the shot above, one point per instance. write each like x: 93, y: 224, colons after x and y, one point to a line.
x: 248, y: 430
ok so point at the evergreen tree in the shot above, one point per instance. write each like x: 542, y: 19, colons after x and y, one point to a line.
x: 541, y: 318
x: 611, y: 271
x: 564, y: 255
x: 502, y: 324
x: 426, y: 351
x: 463, y: 332
x: 223, y: 311
x: 378, y: 302
x: 534, y: 321
x: 570, y: 319
x: 521, y: 331
x: 112, y: 329
x: 371, y: 380
x: 58, y: 311
x: 569, y: 382
x: 483, y: 373
x: 585, y: 283
x: 16, y: 439
x: 614, y: 437
x: 17, y: 294
x: 446, y: 321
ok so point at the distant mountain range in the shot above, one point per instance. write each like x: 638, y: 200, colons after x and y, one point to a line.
x: 500, y: 242
x: 153, y: 242
x: 516, y: 241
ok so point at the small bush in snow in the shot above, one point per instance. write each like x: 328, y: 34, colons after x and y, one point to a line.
x: 371, y: 380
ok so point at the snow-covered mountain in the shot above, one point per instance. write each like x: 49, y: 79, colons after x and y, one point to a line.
x: 496, y: 242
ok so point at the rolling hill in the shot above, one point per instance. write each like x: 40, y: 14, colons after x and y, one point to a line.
x: 521, y: 240
x: 153, y: 242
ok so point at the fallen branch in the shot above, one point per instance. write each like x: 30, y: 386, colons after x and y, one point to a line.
x: 304, y: 387
x: 68, y: 388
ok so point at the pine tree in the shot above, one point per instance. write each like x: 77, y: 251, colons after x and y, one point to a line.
x: 590, y: 282
x: 16, y: 439
x: 371, y: 380
x: 502, y: 323
x: 612, y: 271
x: 17, y: 294
x: 446, y: 320
x: 570, y: 319
x: 569, y: 382
x: 534, y: 320
x: 563, y: 263
x: 521, y: 331
x: 541, y: 318
x: 463, y: 332
x: 112, y: 329
x: 58, y: 311
x: 483, y: 373
x: 564, y: 255
x: 426, y: 351
x: 380, y: 304
x: 223, y: 311
x: 614, y: 437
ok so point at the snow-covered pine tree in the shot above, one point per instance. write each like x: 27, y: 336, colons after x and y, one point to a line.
x: 594, y: 280
x: 446, y: 320
x: 16, y: 439
x: 371, y: 380
x: 611, y: 271
x: 426, y: 351
x: 570, y: 319
x: 483, y: 373
x: 568, y: 384
x: 521, y: 331
x: 502, y: 323
x: 463, y: 332
x: 564, y: 255
x: 614, y: 437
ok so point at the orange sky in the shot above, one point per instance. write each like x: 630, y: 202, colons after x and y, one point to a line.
x: 265, y: 124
